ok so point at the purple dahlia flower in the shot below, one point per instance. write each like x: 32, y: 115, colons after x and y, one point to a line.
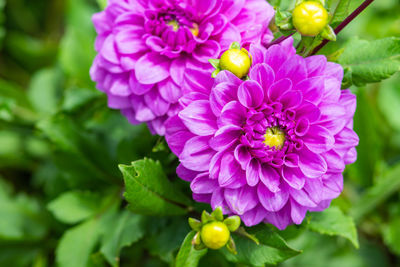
x: 148, y: 50
x: 272, y: 147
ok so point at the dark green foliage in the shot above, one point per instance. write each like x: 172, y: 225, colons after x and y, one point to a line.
x: 80, y: 186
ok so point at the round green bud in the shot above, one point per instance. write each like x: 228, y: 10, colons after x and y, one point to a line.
x: 236, y: 61
x: 310, y: 18
x: 215, y: 235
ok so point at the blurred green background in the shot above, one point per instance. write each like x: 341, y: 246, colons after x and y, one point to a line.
x: 56, y: 136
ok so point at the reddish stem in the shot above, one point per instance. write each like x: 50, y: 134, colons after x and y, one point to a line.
x: 279, y: 40
x: 341, y: 26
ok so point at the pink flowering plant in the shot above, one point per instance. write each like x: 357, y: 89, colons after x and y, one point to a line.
x: 192, y: 133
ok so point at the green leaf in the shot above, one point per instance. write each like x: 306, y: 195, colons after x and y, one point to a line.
x: 271, y: 250
x: 391, y: 235
x: 77, y: 49
x: 148, y: 191
x: 121, y: 230
x: 45, y: 90
x: 21, y: 216
x: 77, y: 244
x: 187, y: 255
x: 333, y: 222
x: 387, y: 184
x: 166, y: 241
x: 370, y: 61
x: 102, y: 3
x: 341, y: 11
x: 74, y: 206
x: 89, y: 152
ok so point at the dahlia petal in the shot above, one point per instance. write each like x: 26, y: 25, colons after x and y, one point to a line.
x: 177, y: 70
x: 224, y: 137
x: 250, y: 94
x: 222, y: 94
x: 242, y: 155
x: 269, y: 177
x: 188, y: 98
x: 108, y: 50
x: 228, y: 77
x: 198, y: 118
x: 346, y: 139
x: 118, y: 102
x: 229, y: 171
x: 263, y: 74
x: 311, y: 164
x: 278, y: 89
x: 219, y: 22
x: 205, y: 198
x: 318, y: 139
x: 351, y: 156
x: 156, y: 103
x: 202, y: 184
x: 241, y: 200
x: 308, y: 110
x: 196, y: 154
x: 315, y: 65
x: 120, y: 87
x: 159, y: 66
x: 302, y: 197
x: 215, y: 165
x: 291, y: 99
x: 280, y: 219
x: 274, y: 57
x: 297, y: 212
x: 232, y: 8
x: 293, y: 177
x: 257, y: 57
x: 177, y: 134
x: 294, y: 68
x: 218, y: 200
x: 253, y: 216
x: 228, y: 36
x: 197, y: 80
x: 233, y: 113
x: 143, y: 112
x: 169, y: 91
x: 272, y: 201
x: 129, y: 41
x: 207, y: 50
x: 185, y: 174
x: 312, y: 89
x: 334, y: 70
x: 302, y: 126
x: 334, y: 181
x: 332, y: 90
x: 252, y: 172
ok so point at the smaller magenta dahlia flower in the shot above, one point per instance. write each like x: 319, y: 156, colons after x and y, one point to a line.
x: 272, y: 147
x: 148, y: 50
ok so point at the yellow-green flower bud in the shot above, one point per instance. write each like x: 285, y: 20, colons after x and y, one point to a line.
x: 310, y: 18
x: 237, y: 61
x: 215, y: 235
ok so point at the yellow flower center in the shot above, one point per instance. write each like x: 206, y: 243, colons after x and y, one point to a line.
x: 174, y: 24
x: 195, y: 29
x: 274, y: 137
x: 215, y: 235
x: 175, y: 27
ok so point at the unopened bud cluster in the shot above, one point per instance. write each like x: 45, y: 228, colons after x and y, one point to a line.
x: 213, y: 231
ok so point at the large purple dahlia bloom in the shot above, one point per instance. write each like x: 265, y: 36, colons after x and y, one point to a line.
x: 272, y: 147
x: 148, y: 49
